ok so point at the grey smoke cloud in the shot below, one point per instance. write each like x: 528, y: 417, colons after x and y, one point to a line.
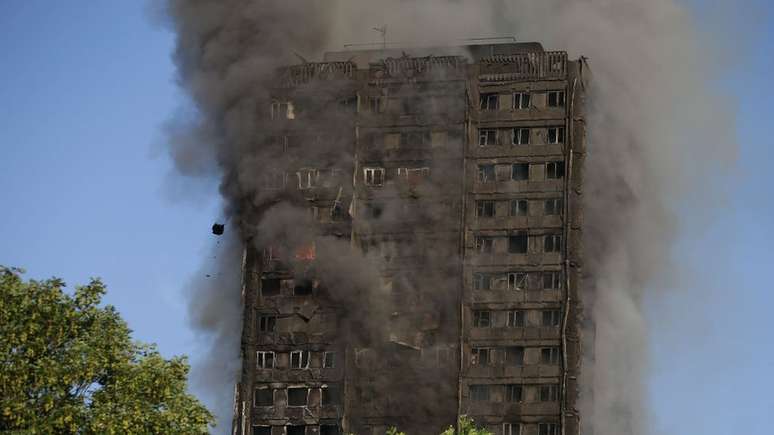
x: 655, y: 126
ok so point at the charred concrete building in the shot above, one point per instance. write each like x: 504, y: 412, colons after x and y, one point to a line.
x: 441, y: 188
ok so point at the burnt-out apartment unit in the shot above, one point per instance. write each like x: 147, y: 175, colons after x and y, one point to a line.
x: 448, y: 180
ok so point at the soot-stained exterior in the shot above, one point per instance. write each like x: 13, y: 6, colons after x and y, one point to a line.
x: 457, y: 173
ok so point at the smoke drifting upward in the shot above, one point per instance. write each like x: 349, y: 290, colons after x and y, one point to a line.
x: 655, y: 128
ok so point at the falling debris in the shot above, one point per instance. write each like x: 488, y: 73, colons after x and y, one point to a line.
x: 218, y: 229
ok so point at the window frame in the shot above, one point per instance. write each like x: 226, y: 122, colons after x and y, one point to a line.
x: 306, y: 396
x: 267, y: 323
x: 555, y: 135
x: 484, y: 136
x: 513, y: 316
x: 511, y: 244
x: 552, y: 243
x: 371, y: 180
x: 480, y: 393
x: 513, y: 282
x: 255, y: 397
x: 477, y: 352
x: 551, y: 318
x: 518, y: 135
x: 483, y: 171
x: 553, y: 206
x: 486, y: 100
x: 484, y: 244
x: 548, y: 429
x: 509, y: 397
x: 517, y: 168
x: 261, y: 360
x: 548, y: 392
x: 301, y: 354
x: 481, y: 205
x: 520, y: 102
x: 325, y: 363
x: 550, y: 355
x: 518, y: 203
x: 559, y: 98
x: 483, y: 319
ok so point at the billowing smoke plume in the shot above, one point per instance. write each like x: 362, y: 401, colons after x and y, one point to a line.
x: 654, y: 128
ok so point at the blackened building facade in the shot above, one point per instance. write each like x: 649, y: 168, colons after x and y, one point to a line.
x: 458, y: 173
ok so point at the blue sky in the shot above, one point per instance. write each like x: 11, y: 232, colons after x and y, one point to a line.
x: 84, y: 191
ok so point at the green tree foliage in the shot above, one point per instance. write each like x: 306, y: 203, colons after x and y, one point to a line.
x: 69, y: 366
x: 467, y: 427
x: 466, y: 424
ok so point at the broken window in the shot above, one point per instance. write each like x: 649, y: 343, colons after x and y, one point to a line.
x: 296, y: 430
x: 329, y: 429
x: 274, y: 180
x: 270, y: 287
x: 517, y: 243
x: 264, y: 397
x: 549, y: 355
x: 375, y: 104
x: 486, y: 173
x: 548, y: 429
x: 299, y: 359
x: 481, y: 356
x: 487, y: 137
x: 513, y: 393
x: 307, y: 178
x: 264, y: 359
x: 555, y: 98
x: 331, y: 395
x: 282, y: 110
x: 549, y: 393
x: 555, y: 170
x: 556, y: 135
x: 479, y: 393
x: 413, y: 175
x: 552, y: 243
x: 329, y: 360
x: 520, y: 136
x: 303, y: 287
x: 521, y: 100
x: 485, y: 209
x: 489, y: 102
x: 552, y: 280
x: 267, y: 323
x: 511, y: 428
x: 519, y: 207
x: 348, y: 104
x: 261, y: 430
x: 517, y: 281
x: 551, y: 318
x: 484, y: 244
x: 482, y: 281
x: 553, y: 206
x: 414, y: 138
x: 520, y: 171
x: 297, y: 396
x: 482, y: 319
x: 514, y: 356
x: 515, y: 319
x: 374, y: 176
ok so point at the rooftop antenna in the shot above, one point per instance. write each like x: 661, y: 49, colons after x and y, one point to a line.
x: 383, y: 31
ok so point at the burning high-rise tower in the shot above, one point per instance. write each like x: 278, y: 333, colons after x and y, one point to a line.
x: 414, y: 247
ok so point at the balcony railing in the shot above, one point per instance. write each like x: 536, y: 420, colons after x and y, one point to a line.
x: 525, y: 66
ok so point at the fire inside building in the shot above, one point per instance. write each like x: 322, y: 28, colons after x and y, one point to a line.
x: 456, y: 174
